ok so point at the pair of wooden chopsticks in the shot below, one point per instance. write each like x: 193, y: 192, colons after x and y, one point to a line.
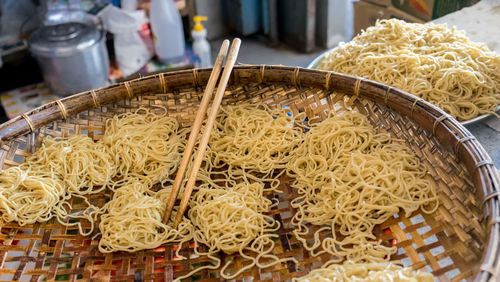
x: 186, y: 157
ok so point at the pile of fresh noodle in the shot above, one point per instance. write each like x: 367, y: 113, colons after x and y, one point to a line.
x: 132, y: 220
x: 28, y: 198
x: 83, y: 165
x: 229, y: 219
x: 432, y: 61
x: 366, y: 272
x: 350, y: 179
x: 232, y: 220
x: 44, y: 185
x: 145, y: 143
x: 250, y: 142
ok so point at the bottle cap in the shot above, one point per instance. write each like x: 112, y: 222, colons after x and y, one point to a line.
x: 197, y: 22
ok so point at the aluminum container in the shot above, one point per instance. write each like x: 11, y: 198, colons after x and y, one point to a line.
x: 72, y: 56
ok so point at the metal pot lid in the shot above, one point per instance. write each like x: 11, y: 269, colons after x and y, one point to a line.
x: 63, y: 39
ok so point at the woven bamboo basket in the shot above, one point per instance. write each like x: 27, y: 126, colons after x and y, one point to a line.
x: 460, y: 241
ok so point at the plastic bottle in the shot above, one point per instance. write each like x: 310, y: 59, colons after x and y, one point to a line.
x: 168, y: 32
x: 201, y: 47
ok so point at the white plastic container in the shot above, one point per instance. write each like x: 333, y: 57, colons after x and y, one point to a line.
x: 168, y: 32
x: 201, y: 47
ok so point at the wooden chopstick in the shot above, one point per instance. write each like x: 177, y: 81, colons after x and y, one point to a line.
x: 231, y: 59
x: 186, y: 157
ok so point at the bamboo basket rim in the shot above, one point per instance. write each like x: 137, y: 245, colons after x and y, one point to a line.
x: 453, y: 135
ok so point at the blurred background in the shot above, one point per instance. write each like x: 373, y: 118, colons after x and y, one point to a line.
x: 53, y: 48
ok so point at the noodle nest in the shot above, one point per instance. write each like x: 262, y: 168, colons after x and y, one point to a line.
x: 228, y: 220
x: 232, y: 220
x: 28, y: 198
x: 133, y: 219
x: 253, y: 138
x: 82, y: 165
x: 350, y: 178
x: 144, y: 143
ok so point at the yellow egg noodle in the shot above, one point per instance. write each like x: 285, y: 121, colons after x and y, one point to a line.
x: 81, y: 164
x: 245, y: 204
x: 251, y: 142
x: 366, y: 272
x: 145, y: 143
x: 350, y: 179
x: 28, y: 198
x: 63, y: 168
x: 232, y: 220
x: 132, y: 220
x: 432, y: 61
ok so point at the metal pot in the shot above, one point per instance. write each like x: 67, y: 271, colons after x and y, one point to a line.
x: 72, y: 56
